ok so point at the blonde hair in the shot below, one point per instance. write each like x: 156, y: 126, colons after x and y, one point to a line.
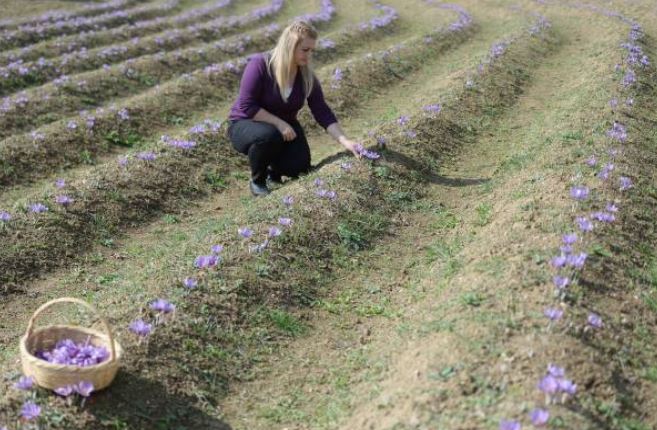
x: 281, y: 58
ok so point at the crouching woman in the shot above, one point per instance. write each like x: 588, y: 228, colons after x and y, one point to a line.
x: 263, y: 119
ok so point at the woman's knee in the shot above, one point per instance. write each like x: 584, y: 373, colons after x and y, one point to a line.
x: 245, y: 133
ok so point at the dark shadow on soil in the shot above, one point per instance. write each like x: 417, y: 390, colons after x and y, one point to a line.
x: 138, y: 403
x: 411, y: 164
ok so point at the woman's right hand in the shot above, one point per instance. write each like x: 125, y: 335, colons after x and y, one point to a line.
x: 287, y: 131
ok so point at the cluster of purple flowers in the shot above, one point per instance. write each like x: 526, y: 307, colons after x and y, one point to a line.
x: 389, y: 16
x: 69, y: 352
x: 83, y: 388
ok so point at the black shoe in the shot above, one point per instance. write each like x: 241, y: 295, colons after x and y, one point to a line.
x: 274, y: 177
x: 258, y: 190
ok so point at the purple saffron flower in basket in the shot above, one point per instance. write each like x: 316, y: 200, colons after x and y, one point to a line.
x: 5, y: 216
x: 25, y: 383
x: 245, y: 232
x: 190, y: 283
x: 510, y: 425
x: 625, y: 183
x: 163, y: 306
x: 288, y: 201
x: 216, y: 249
x: 285, y: 221
x: 30, y: 410
x: 63, y: 200
x: 579, y: 192
x: 84, y: 388
x: 141, y: 328
x: 64, y: 391
x: 560, y: 282
x: 553, y: 314
x: 594, y: 320
x: 38, y: 208
x: 539, y: 417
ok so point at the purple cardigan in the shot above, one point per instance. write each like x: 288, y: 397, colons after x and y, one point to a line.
x: 259, y: 90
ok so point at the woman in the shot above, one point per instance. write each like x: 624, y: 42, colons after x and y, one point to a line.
x: 263, y: 120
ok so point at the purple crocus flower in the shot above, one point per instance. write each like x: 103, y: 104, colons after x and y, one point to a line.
x: 84, y: 388
x: 567, y: 386
x: 190, y: 283
x: 569, y: 239
x: 579, y: 192
x: 584, y: 223
x: 613, y: 103
x: 285, y: 221
x: 274, y: 232
x: 38, y: 208
x: 611, y: 207
x: 576, y: 260
x: 558, y: 261
x: 560, y: 282
x: 548, y: 385
x: 25, y: 383
x: 63, y: 200
x: 64, y: 391
x: 245, y: 232
x: 617, y: 132
x: 403, y: 120
x: 625, y: 183
x: 556, y: 371
x: 60, y: 183
x: 123, y: 114
x: 146, y: 156
x: 539, y: 417
x: 510, y: 425
x: 5, y: 216
x: 591, y: 161
x: 603, y: 216
x: 288, y: 201
x: 553, y: 314
x: 72, y: 125
x: 123, y: 161
x: 163, y: 306
x: 566, y: 249
x: 141, y: 328
x: 433, y: 108
x: 30, y: 410
x: 346, y: 166
x: 216, y: 249
x: 206, y: 261
x: 594, y: 320
x: 318, y: 182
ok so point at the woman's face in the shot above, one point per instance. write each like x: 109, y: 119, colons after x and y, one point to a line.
x: 304, y: 52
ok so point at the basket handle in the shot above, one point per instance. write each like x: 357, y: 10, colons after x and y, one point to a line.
x: 30, y: 324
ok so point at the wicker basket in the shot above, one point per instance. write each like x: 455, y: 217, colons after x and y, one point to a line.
x: 51, y: 376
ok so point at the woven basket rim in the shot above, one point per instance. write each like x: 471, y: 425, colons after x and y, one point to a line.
x: 55, y: 366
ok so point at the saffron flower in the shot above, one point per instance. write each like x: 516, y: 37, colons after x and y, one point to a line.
x: 625, y: 183
x: 206, y: 261
x: 5, y: 216
x: 433, y: 109
x: 64, y: 391
x: 258, y: 248
x: 25, y: 383
x: 556, y: 371
x: 84, y: 388
x: 288, y: 201
x: 123, y: 114
x: 38, y: 208
x: 594, y: 320
x: 558, y: 261
x: 591, y: 161
x: 576, y: 260
x: 63, y: 200
x: 548, y: 385
x: 216, y: 249
x: 30, y: 410
x: 346, y: 166
x: 190, y: 283
x: 617, y: 132
x: 579, y: 192
x: 60, y: 183
x: 72, y: 125
x: 141, y: 328
x: 539, y: 417
x: 285, y: 221
x: 163, y: 306
x: 245, y: 232
x: 611, y: 207
x: 274, y: 232
x: 560, y: 282
x: 584, y: 223
x: 510, y: 425
x: 318, y: 182
x: 603, y: 216
x: 68, y: 352
x: 123, y: 161
x: 146, y: 156
x: 553, y: 314
x: 403, y: 120
x: 567, y: 386
x: 569, y: 239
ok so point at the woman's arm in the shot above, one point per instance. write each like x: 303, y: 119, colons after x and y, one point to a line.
x: 286, y: 129
x: 336, y: 132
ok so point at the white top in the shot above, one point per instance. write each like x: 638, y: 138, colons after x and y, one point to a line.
x: 287, y: 92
